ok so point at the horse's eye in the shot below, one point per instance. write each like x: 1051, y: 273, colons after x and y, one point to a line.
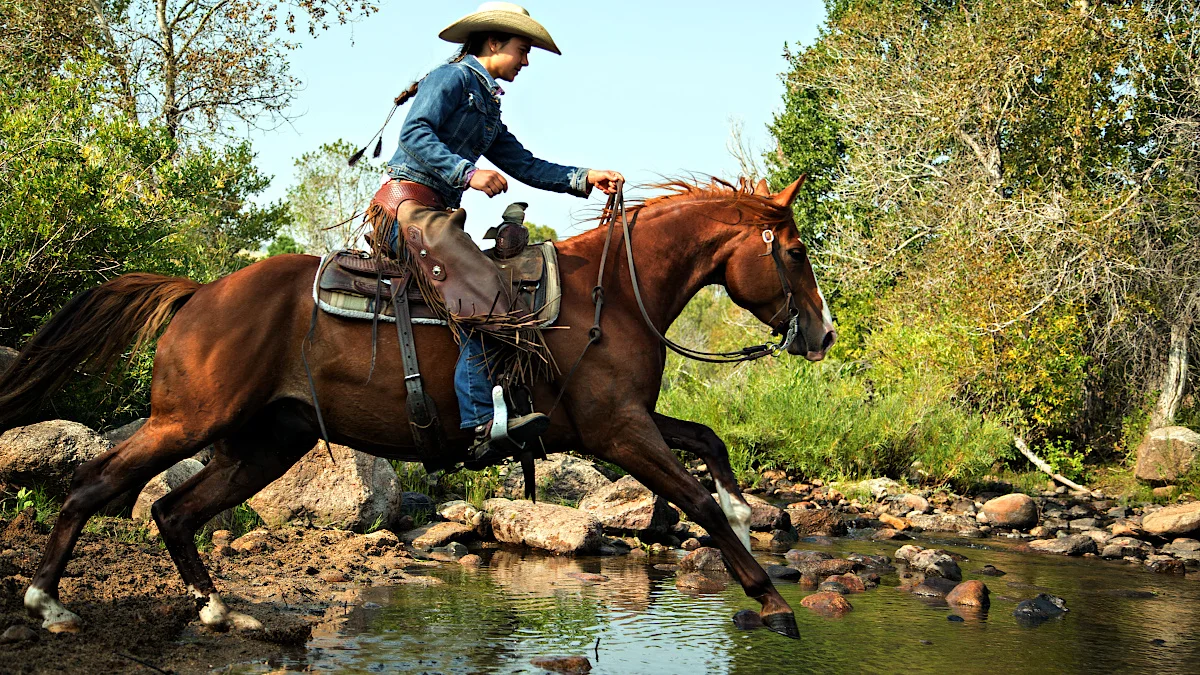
x: 796, y: 253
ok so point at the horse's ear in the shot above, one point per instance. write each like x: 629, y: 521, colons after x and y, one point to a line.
x: 761, y: 189
x: 788, y: 195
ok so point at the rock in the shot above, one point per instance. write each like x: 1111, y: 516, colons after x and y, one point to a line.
x: 908, y: 552
x: 570, y: 665
x: 833, y: 587
x: 252, y: 542
x: 890, y: 534
x: 1121, y: 547
x: 776, y: 540
x: 972, y: 593
x: 893, y: 522
x: 1173, y: 521
x: 824, y: 568
x: 1043, y: 606
x: 690, y: 544
x: 1165, y: 492
x: 1017, y: 511
x: 8, y: 356
x: 696, y: 582
x: 1083, y: 524
x: 1165, y: 564
x: 1181, y: 544
x: 765, y: 517
x: 437, y: 534
x: 560, y: 478
x: 46, y: 454
x: 24, y: 524
x: 991, y: 571
x: 936, y: 563
x: 783, y: 573
x: 802, y: 556
x: 941, y: 522
x: 554, y: 528
x: 747, y: 619
x: 1077, y: 544
x: 588, y: 577
x: 470, y: 560
x: 827, y: 604
x: 913, y: 503
x: 419, y: 505
x: 819, y: 522
x: 161, y: 484
x: 353, y: 491
x: 851, y: 582
x: 18, y: 633
x: 457, y: 511
x: 934, y: 587
x: 708, y: 560
x: 629, y: 506
x: 123, y: 432
x: 1166, y: 454
x: 880, y: 487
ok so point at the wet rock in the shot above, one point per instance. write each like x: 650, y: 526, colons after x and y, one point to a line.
x: 872, y: 562
x: 820, y: 522
x: 1165, y: 564
x: 437, y: 534
x: 936, y: 563
x: 1167, y: 453
x: 707, y: 560
x: 17, y: 634
x: 161, y: 484
x: 765, y: 517
x: 1181, y: 545
x: 934, y: 587
x: 747, y: 619
x: 880, y: 487
x: 991, y: 571
x: 941, y: 522
x: 560, y: 478
x: 907, y: 503
x: 353, y: 491
x: 1077, y: 544
x: 629, y: 506
x: 46, y: 454
x: 1173, y: 521
x: 893, y: 522
x: 890, y: 534
x: 417, y: 505
x: 470, y: 560
x: 569, y: 665
x: 554, y: 528
x: 833, y: 587
x: 777, y: 540
x: 824, y: 568
x: 1040, y: 608
x: 972, y: 593
x: 851, y: 582
x: 1081, y: 524
x: 252, y: 542
x: 1017, y: 511
x: 783, y: 573
x: 695, y: 582
x: 803, y: 556
x: 690, y: 544
x: 827, y: 604
x: 1121, y: 547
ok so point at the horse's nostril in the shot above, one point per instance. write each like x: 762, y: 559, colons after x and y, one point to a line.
x: 830, y: 338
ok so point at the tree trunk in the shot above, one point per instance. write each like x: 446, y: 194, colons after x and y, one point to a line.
x: 170, y: 106
x: 1175, y: 378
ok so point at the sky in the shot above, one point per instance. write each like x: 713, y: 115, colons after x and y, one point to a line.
x: 649, y: 89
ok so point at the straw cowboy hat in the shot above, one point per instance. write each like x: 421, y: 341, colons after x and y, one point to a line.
x: 504, y: 17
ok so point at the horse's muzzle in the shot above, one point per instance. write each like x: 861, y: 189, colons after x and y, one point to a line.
x: 800, y: 345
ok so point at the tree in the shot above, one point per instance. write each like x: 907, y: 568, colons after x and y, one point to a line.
x: 327, y: 196
x: 540, y: 233
x: 283, y: 244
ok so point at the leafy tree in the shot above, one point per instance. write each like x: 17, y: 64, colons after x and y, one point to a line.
x: 284, y: 244
x: 540, y: 233
x: 327, y: 196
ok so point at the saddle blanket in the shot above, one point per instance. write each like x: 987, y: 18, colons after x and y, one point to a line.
x: 347, y: 283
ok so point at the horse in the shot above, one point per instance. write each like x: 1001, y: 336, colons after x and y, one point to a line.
x: 230, y: 370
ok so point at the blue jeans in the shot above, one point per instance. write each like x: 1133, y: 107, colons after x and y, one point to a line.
x: 472, y: 383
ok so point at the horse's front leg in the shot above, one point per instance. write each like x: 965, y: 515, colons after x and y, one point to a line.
x: 704, y: 443
x: 639, y: 448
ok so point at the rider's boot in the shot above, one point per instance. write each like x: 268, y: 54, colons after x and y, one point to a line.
x: 487, y: 450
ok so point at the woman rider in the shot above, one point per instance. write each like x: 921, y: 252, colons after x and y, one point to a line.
x: 454, y: 119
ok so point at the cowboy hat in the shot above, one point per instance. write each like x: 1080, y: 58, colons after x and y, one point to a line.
x: 503, y: 17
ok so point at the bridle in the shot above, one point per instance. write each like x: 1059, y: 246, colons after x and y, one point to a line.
x: 616, y: 206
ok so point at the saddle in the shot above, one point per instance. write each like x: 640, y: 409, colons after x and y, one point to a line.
x: 357, y: 285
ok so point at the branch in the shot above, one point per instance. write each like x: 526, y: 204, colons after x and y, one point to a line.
x: 1041, y: 464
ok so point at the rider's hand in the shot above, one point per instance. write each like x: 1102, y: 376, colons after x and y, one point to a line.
x: 488, y: 182
x: 606, y: 181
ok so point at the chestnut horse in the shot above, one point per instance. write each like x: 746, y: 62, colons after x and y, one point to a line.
x: 229, y: 371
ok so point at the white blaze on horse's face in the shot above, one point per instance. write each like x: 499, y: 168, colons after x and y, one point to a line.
x: 738, y: 512
x: 824, y: 305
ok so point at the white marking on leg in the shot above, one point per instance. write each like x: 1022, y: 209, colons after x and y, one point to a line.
x: 738, y: 514
x: 216, y: 615
x: 55, y: 618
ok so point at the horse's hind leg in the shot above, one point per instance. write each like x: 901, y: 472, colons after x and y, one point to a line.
x: 241, y: 466
x: 704, y: 443
x: 152, y: 449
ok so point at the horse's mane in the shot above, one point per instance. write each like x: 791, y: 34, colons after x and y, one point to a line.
x: 760, y: 209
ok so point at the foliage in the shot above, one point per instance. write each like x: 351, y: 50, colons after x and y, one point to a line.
x: 472, y: 486
x: 13, y: 503
x: 540, y: 233
x: 327, y: 195
x: 282, y: 244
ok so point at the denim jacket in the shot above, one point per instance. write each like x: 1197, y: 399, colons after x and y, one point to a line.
x: 455, y: 118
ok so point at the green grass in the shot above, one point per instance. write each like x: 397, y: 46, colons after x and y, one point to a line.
x: 16, y: 501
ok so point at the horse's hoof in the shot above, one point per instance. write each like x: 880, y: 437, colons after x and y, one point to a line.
x: 68, y: 626
x: 783, y: 623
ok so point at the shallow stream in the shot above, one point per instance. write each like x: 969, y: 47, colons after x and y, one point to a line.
x: 522, y: 605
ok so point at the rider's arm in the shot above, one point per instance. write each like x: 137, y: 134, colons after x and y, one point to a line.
x: 512, y: 158
x: 440, y: 94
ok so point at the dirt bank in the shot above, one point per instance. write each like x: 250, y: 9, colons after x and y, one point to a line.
x: 135, y: 610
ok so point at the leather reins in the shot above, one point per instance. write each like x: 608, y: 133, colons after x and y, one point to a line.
x: 615, y: 206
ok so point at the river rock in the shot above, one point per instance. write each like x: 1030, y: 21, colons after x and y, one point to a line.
x: 802, y: 556
x: 824, y: 568
x: 438, y: 534
x: 1076, y: 544
x: 707, y: 560
x: 775, y: 540
x: 1167, y: 453
x: 880, y: 487
x: 889, y: 534
x: 46, y: 454
x: 1173, y: 521
x: 827, y: 604
x: 971, y: 593
x: 1165, y: 564
x: 122, y: 433
x: 696, y: 582
x: 160, y: 485
x: 991, y: 571
x: 1043, y: 606
x: 934, y: 587
x: 817, y: 522
x: 568, y: 665
x: 878, y: 563
x: 904, y: 504
x: 459, y: 511
x: 560, y: 478
x: 353, y: 490
x: 936, y: 563
x: 834, y: 586
x: 629, y: 506
x: 1016, y: 510
x: 941, y: 522
x: 907, y: 552
x: 1121, y: 547
x: 8, y: 356
x: 764, y: 516
x: 1181, y: 545
x: 850, y: 581
x: 782, y: 572
x: 554, y: 528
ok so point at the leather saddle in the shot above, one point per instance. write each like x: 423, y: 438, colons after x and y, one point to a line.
x: 348, y: 285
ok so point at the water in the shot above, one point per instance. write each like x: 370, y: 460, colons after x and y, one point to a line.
x: 524, y: 605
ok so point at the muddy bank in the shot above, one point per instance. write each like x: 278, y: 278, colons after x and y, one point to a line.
x: 135, y: 610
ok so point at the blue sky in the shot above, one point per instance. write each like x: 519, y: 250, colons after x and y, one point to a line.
x: 645, y: 88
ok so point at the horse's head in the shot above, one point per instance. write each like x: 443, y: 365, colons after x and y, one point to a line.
x: 770, y: 275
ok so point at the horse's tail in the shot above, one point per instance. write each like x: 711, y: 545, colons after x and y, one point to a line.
x: 93, y: 329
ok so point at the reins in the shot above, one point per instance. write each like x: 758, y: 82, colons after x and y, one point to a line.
x: 615, y: 205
